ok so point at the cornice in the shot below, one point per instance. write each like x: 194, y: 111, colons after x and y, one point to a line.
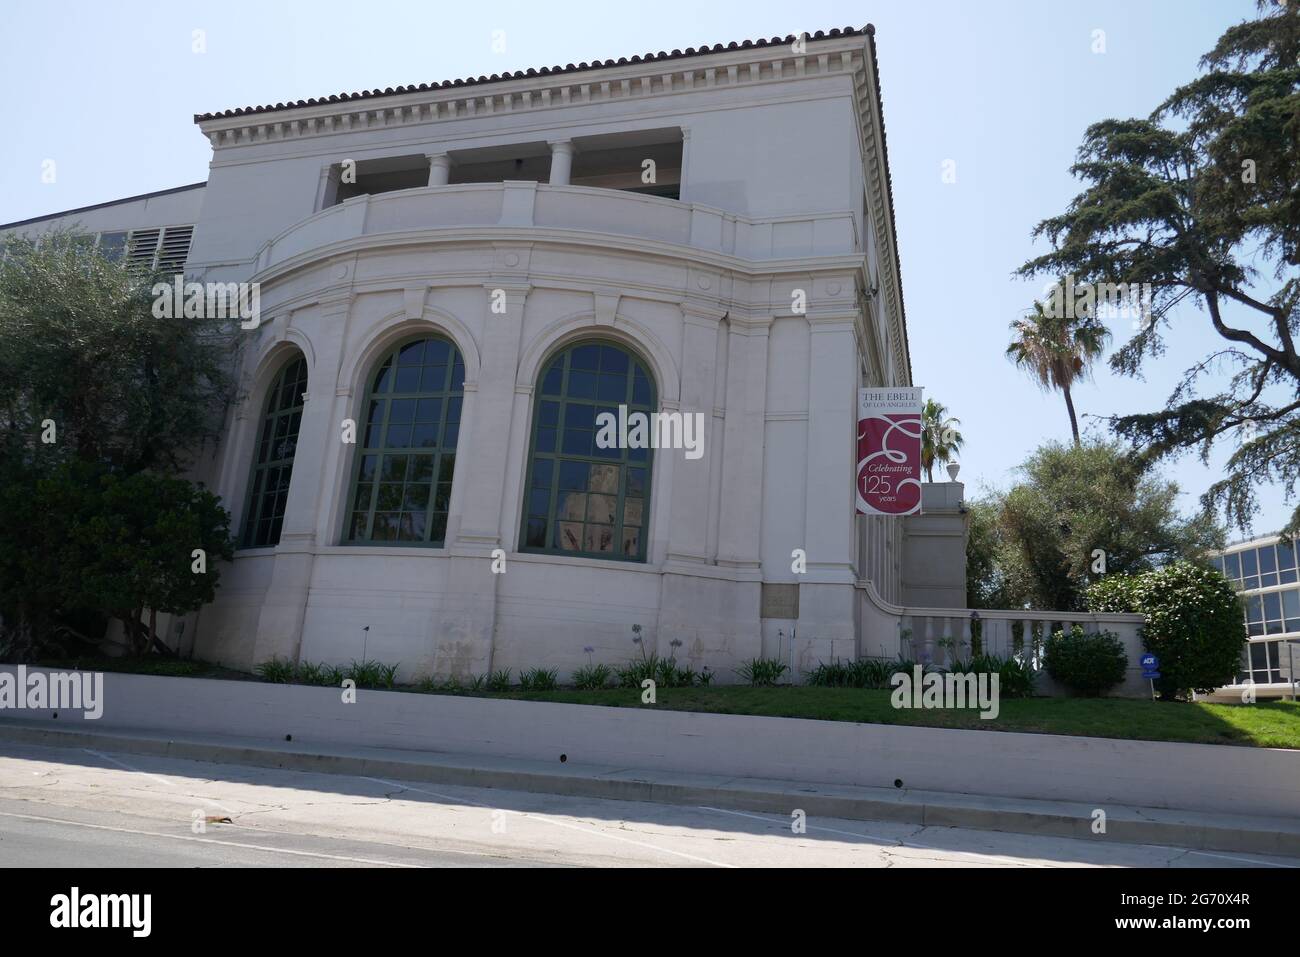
x: 747, y: 67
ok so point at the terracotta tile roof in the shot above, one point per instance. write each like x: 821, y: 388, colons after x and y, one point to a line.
x: 868, y: 30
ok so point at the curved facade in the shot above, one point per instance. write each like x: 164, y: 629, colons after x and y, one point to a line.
x: 706, y: 238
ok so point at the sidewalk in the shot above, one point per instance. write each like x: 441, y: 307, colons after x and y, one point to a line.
x: 1124, y: 824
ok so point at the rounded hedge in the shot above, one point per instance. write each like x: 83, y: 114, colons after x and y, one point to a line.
x: 1088, y: 664
x: 1194, y: 623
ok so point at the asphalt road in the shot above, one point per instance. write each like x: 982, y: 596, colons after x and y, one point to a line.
x: 79, y: 808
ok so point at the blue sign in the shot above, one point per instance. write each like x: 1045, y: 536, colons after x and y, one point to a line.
x: 1150, y: 666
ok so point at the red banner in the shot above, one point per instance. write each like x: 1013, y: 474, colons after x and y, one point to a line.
x: 889, y: 451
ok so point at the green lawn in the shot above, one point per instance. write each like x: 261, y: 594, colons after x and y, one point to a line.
x: 1273, y: 724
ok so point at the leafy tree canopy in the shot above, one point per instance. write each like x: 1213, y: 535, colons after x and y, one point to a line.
x: 1201, y: 200
x: 80, y: 347
x: 101, y: 403
x: 1080, y: 513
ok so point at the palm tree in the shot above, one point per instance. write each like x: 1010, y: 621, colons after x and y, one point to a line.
x: 1057, y: 351
x: 939, y: 436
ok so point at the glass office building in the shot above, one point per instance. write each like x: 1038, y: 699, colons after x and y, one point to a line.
x: 1264, y: 572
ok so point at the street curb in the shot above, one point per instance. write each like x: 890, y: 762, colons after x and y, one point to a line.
x: 1123, y: 824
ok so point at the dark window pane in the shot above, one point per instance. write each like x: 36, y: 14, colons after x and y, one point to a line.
x: 408, y: 379
x: 535, y: 537
x: 362, y: 499
x: 641, y: 393
x: 582, y: 385
x: 573, y: 475
x: 434, y: 378
x: 1267, y: 559
x: 398, y: 437
x: 585, y: 357
x: 578, y: 441
x: 539, y: 501
x: 1249, y: 563
x: 437, y: 352
x: 268, y: 487
x: 612, y: 388
x: 613, y: 360
x: 554, y: 376
x: 416, y: 498
x: 411, y: 355
x: 394, y: 468
x: 420, y: 468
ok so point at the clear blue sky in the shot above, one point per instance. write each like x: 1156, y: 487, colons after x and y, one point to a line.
x: 1003, y: 87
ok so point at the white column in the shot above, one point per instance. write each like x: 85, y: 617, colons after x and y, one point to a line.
x: 689, y: 497
x: 826, y: 591
x: 481, y: 466
x: 686, y: 152
x: 742, y: 465
x: 561, y: 162
x: 439, y: 169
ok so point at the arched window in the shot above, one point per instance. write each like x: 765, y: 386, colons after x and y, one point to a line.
x: 268, y: 489
x: 581, y: 499
x: 401, y: 486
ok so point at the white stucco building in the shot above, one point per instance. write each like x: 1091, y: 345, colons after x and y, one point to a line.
x: 469, y: 271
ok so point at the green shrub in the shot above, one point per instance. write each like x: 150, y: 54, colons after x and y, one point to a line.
x: 276, y: 670
x: 862, y: 673
x: 310, y: 674
x: 762, y: 672
x: 592, y: 677
x: 634, y: 672
x: 1015, y: 674
x: 1194, y: 623
x: 371, y: 674
x: 1089, y: 664
x: 538, y: 679
x: 499, y: 680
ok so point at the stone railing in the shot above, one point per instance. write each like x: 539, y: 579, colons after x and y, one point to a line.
x: 940, y: 635
x: 461, y: 209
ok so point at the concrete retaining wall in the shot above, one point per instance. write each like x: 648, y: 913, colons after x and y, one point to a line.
x: 1197, y: 777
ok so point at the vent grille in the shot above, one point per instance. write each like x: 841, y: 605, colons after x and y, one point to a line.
x: 175, y: 248
x: 143, y: 245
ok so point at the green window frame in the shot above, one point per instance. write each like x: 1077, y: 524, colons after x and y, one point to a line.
x: 579, y: 499
x: 277, y: 443
x: 406, y: 459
